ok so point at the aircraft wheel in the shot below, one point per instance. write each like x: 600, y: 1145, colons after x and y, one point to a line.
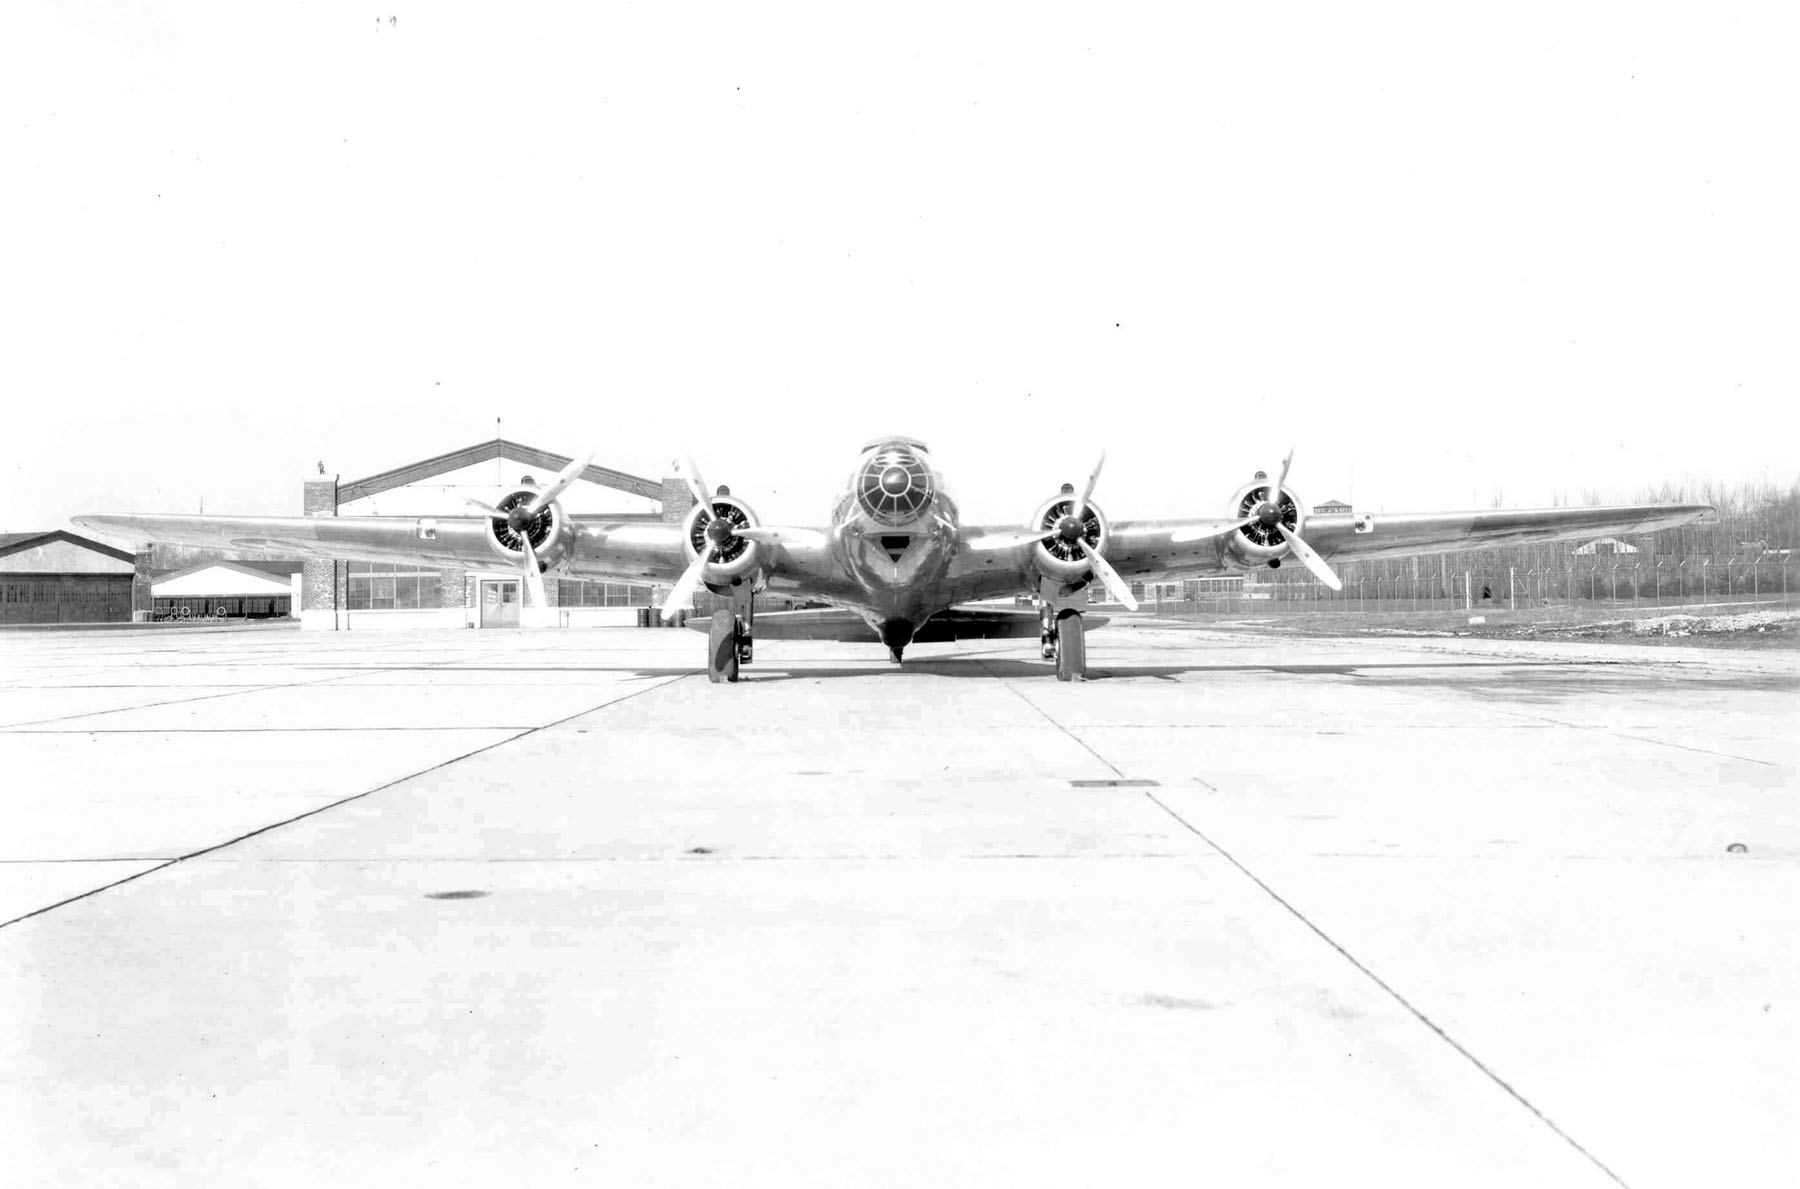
x: 1071, y: 648
x: 721, y: 649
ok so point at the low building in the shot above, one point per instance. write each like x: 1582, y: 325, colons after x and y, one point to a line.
x: 227, y: 590
x: 1605, y: 546
x: 55, y: 576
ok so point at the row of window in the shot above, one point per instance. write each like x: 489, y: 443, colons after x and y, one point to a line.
x: 61, y: 590
x: 589, y: 592
x: 374, y: 586
x: 379, y: 586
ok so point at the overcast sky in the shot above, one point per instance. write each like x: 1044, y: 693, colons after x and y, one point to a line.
x: 1445, y: 252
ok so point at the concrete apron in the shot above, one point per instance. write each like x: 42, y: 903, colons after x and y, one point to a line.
x: 1444, y: 919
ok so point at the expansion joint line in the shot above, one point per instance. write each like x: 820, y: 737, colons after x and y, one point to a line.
x: 1079, y: 741
x: 218, y: 846
x: 1393, y: 994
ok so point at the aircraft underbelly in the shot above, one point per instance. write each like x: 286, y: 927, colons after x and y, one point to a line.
x: 900, y: 576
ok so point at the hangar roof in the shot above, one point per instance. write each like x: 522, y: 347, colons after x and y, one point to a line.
x: 487, y: 452
x: 15, y: 543
x: 220, y: 579
x: 268, y: 569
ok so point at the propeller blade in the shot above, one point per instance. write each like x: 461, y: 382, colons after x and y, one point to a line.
x: 697, y: 485
x: 1114, y: 584
x: 486, y: 509
x: 1030, y: 536
x: 560, y: 484
x: 534, y: 578
x: 684, y: 589
x: 1312, y: 560
x: 1080, y: 507
x: 804, y: 538
x: 1200, y: 532
x: 1275, y: 492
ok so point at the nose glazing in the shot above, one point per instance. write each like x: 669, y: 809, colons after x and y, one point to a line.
x: 894, y: 487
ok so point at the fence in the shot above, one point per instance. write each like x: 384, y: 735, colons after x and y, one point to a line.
x: 1523, y: 578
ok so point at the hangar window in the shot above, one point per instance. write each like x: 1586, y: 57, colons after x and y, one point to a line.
x: 587, y: 592
x: 375, y: 586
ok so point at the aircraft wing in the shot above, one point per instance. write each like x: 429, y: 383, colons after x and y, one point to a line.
x: 1144, y: 549
x: 624, y: 550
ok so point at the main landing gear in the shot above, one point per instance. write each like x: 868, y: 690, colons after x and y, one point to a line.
x: 729, y: 642
x: 1064, y: 636
x: 1070, y: 643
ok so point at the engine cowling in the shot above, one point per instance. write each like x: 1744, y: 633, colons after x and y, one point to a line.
x: 549, y: 530
x: 1059, y: 557
x: 1259, y: 542
x: 736, y: 557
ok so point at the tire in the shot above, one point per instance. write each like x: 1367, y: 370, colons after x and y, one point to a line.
x: 1071, y: 648
x: 721, y: 648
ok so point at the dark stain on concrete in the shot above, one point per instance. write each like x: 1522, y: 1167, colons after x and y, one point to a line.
x: 1177, y: 1003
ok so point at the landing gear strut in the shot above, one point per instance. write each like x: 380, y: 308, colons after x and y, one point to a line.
x: 1063, y: 638
x: 1071, y: 647
x: 722, y: 647
x: 729, y: 641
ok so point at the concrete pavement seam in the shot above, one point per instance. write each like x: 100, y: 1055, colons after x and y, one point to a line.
x: 1046, y: 716
x: 341, y: 801
x: 1395, y: 995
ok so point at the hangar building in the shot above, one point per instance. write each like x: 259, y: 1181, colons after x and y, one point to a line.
x: 58, y: 577
x: 227, y: 590
x: 364, y: 595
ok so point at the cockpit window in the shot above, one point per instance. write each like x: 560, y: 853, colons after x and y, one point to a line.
x: 894, y: 487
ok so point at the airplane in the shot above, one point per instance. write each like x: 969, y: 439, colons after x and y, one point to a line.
x: 895, y: 558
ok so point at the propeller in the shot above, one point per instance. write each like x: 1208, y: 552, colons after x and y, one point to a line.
x: 1268, y: 511
x: 719, y: 534
x: 1201, y: 532
x: 1009, y: 540
x: 1275, y: 491
x: 1079, y: 511
x: 808, y: 538
x: 534, y: 577
x: 1109, y: 577
x: 1070, y: 525
x: 690, y: 578
x: 519, y: 519
x: 1312, y: 560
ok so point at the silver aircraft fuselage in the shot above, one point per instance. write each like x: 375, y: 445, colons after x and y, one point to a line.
x: 894, y: 533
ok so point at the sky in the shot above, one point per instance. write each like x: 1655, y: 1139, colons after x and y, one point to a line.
x: 1451, y: 256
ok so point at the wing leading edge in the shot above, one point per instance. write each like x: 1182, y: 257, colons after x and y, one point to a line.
x: 626, y: 551
x: 1144, y: 549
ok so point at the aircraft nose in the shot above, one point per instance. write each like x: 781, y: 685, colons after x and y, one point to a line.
x: 894, y: 480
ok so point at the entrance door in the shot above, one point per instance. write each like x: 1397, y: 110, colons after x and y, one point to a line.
x: 499, y: 604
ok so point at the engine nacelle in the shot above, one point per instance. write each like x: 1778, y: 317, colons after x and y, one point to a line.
x: 1060, y: 557
x: 548, y: 531
x: 738, y: 557
x: 1260, y: 542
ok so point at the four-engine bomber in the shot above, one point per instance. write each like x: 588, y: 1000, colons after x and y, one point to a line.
x: 895, y: 559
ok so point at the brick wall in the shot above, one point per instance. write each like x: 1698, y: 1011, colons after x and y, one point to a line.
x: 322, y: 583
